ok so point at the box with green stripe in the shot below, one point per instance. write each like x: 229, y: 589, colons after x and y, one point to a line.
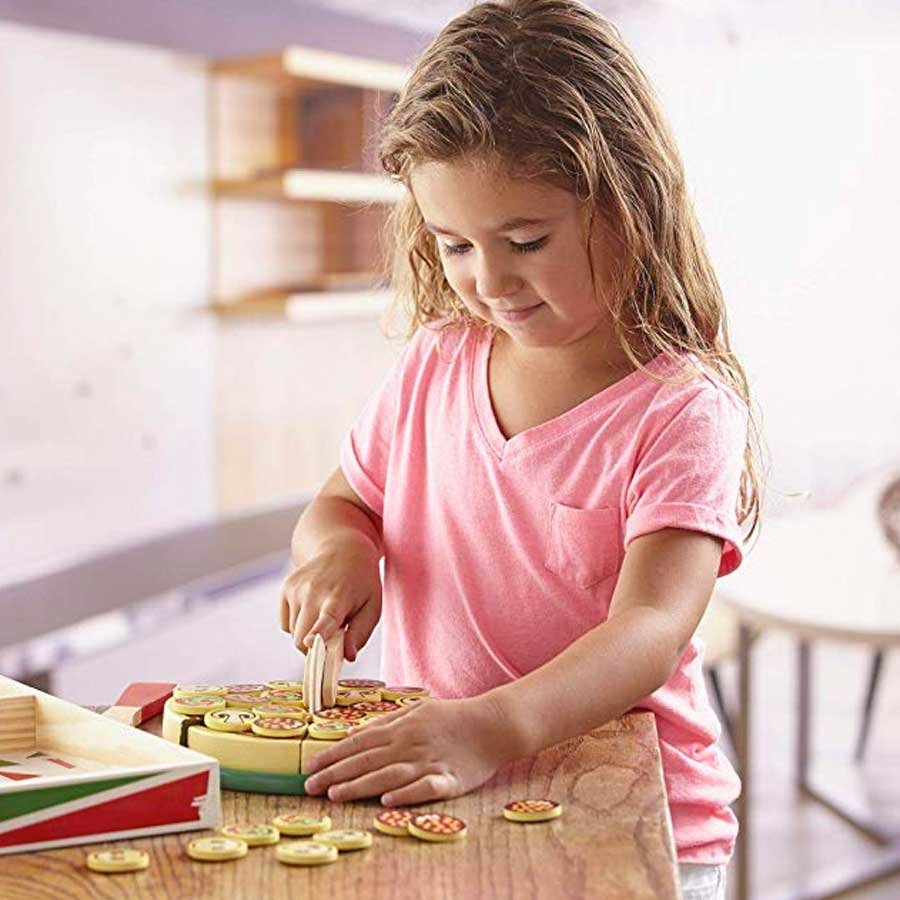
x: 70, y: 776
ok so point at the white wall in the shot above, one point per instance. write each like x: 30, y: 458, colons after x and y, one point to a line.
x: 106, y: 419
x: 281, y: 421
x: 788, y: 119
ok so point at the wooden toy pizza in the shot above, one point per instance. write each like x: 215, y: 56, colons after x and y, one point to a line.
x: 264, y: 735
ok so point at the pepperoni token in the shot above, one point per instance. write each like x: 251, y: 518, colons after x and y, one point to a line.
x: 394, y: 822
x: 351, y: 696
x: 381, y: 708
x: 532, y: 810
x: 360, y: 683
x: 437, y: 827
x: 279, y: 726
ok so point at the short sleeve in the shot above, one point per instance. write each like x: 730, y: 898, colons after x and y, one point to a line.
x: 688, y: 476
x: 365, y: 450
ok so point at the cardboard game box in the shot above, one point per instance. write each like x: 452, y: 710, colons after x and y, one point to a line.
x: 71, y: 776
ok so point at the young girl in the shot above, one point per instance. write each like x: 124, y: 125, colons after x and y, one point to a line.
x: 559, y: 466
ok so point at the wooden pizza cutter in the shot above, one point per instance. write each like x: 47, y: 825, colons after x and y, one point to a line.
x: 323, y: 666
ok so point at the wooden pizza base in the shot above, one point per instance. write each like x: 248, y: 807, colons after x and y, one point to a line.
x: 247, y: 762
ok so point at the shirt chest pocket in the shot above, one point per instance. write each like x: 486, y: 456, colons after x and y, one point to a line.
x: 583, y: 544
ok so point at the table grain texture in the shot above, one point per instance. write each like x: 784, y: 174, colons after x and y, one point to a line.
x: 614, y: 840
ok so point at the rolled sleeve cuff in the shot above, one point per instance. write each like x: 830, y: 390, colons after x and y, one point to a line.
x: 691, y: 517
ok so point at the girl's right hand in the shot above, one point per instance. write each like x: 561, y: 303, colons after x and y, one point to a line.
x: 340, y: 585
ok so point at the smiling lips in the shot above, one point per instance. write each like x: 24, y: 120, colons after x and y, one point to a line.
x: 516, y: 315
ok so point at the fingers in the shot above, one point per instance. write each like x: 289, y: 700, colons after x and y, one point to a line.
x: 361, y: 627
x: 328, y: 621
x: 373, y: 784
x: 352, y: 767
x: 386, y: 719
x: 363, y: 740
x: 433, y: 786
x: 308, y: 619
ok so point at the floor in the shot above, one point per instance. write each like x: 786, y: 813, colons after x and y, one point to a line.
x: 792, y: 836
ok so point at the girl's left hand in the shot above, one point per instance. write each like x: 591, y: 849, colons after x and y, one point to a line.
x: 434, y: 750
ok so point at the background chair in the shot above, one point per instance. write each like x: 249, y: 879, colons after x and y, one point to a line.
x: 889, y: 519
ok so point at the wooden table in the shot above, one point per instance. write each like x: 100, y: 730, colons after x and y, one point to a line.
x: 614, y: 840
x: 825, y: 575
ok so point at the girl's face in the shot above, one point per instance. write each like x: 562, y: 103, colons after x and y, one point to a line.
x: 515, y: 252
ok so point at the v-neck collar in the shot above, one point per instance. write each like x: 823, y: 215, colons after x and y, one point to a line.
x: 531, y: 438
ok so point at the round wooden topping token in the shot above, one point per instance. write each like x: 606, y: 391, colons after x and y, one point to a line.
x: 399, y: 693
x: 409, y: 701
x: 185, y: 690
x: 216, y: 849
x: 329, y: 731
x: 339, y: 714
x: 282, y: 709
x: 532, y: 810
x: 349, y: 696
x: 279, y: 727
x: 122, y: 859
x: 360, y: 683
x: 252, y: 835
x: 292, y: 698
x: 345, y: 840
x: 244, y: 701
x: 286, y: 686
x: 246, y: 688
x: 229, y: 720
x: 195, y: 704
x: 381, y: 708
x: 437, y: 827
x: 300, y: 825
x: 306, y: 853
x: 394, y: 822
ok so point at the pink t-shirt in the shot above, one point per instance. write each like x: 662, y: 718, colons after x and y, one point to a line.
x: 501, y: 553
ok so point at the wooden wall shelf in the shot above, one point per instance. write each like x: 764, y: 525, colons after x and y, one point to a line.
x: 297, y: 195
x: 305, y: 64
x: 309, y: 307
x: 321, y: 185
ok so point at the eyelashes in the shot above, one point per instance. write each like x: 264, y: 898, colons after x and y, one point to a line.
x: 530, y: 247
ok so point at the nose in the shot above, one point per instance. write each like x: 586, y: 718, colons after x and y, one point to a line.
x: 495, y: 279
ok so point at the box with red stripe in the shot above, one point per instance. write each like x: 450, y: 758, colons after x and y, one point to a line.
x: 70, y: 776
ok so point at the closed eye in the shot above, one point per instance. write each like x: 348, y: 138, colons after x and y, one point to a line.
x: 528, y: 247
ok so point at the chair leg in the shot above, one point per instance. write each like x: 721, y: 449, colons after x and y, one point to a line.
x: 716, y: 684
x: 874, y: 675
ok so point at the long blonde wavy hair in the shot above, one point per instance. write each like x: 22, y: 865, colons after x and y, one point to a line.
x: 548, y: 89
